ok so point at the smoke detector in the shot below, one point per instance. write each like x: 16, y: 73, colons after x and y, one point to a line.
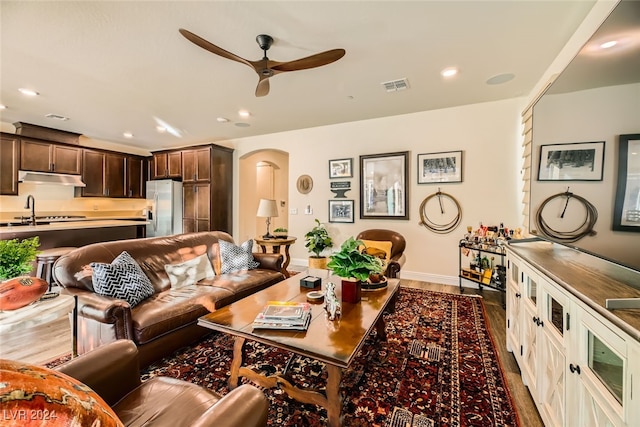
x: 396, y: 85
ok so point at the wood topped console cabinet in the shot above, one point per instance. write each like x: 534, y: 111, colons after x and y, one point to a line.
x: 580, y: 360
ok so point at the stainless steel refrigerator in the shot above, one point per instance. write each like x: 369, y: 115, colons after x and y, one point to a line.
x: 164, y: 201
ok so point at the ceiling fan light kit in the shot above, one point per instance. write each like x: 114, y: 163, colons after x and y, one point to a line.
x: 266, y: 68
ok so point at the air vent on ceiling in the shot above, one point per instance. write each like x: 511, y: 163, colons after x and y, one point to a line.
x: 56, y: 117
x: 396, y: 85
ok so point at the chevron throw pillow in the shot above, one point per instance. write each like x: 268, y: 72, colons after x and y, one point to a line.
x: 122, y: 279
x: 236, y: 258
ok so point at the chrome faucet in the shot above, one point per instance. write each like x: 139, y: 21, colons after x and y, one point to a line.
x: 31, y: 205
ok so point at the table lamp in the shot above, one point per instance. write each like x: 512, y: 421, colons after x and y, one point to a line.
x: 267, y: 208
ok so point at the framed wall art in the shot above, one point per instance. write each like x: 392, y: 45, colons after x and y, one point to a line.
x: 384, y: 193
x: 340, y: 210
x: 626, y: 214
x: 440, y: 167
x: 341, y: 168
x: 578, y: 161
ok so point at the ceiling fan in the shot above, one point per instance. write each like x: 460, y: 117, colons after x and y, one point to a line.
x: 265, y: 67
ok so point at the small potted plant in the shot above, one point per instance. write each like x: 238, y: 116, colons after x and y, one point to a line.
x: 317, y: 240
x: 354, y: 267
x: 281, y: 232
x: 17, y: 256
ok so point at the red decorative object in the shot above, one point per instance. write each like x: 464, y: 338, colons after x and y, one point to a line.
x: 37, y: 396
x: 351, y: 291
x: 21, y: 291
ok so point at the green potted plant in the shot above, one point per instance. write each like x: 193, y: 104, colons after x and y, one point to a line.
x: 354, y: 267
x: 281, y: 232
x: 17, y: 257
x: 316, y: 241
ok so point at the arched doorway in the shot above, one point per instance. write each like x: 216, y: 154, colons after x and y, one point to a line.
x: 262, y: 174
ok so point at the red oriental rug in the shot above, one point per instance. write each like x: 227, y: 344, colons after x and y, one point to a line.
x: 438, y: 367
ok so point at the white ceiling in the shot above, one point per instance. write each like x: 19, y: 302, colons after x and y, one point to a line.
x: 115, y: 66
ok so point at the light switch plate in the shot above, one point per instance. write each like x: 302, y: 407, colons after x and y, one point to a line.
x: 293, y: 211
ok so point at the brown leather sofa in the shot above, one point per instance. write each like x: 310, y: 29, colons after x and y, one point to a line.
x: 166, y: 320
x: 113, y: 372
x: 398, y: 245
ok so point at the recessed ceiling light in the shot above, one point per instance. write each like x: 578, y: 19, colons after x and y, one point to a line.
x: 28, y: 92
x: 127, y: 135
x: 222, y: 120
x: 242, y: 125
x: 3, y: 107
x: 607, y: 45
x: 244, y: 113
x: 500, y: 78
x: 449, y: 72
x: 161, y: 129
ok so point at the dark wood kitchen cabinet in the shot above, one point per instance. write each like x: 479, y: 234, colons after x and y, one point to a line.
x: 103, y: 173
x: 136, y: 176
x: 43, y: 156
x: 9, y: 155
x: 196, y: 165
x: 196, y: 207
x: 167, y: 164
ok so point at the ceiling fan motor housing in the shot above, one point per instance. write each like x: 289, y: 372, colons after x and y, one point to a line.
x: 264, y: 41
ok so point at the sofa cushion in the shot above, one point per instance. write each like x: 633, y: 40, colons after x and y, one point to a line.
x: 122, y: 279
x: 236, y: 258
x: 189, y: 272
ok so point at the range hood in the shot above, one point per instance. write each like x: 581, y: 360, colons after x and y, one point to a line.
x: 50, y: 178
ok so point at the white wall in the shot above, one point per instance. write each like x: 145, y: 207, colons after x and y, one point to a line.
x: 489, y: 134
x: 585, y: 116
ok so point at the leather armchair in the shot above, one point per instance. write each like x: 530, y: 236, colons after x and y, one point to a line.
x: 112, y: 371
x: 398, y: 244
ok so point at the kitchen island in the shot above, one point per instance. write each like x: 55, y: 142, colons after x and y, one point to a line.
x: 76, y: 233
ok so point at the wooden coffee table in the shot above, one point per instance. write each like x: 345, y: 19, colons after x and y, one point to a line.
x: 334, y: 343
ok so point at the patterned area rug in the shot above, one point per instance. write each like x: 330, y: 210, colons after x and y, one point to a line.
x: 439, y: 367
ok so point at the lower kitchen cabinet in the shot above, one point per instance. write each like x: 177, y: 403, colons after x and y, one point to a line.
x: 578, y: 364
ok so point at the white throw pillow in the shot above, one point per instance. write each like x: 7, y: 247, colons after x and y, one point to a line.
x: 190, y: 272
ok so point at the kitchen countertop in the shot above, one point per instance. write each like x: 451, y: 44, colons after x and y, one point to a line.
x: 72, y: 225
x: 590, y: 279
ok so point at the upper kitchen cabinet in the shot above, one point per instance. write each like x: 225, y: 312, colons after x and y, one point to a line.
x: 136, y: 176
x: 9, y: 155
x: 167, y: 164
x: 42, y: 156
x: 196, y: 165
x: 104, y: 174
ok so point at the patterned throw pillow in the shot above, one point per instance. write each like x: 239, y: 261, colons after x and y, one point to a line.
x: 236, y: 258
x: 189, y: 272
x: 122, y: 279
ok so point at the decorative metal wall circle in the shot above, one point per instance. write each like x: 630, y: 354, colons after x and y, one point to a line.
x: 446, y: 226
x: 304, y: 184
x: 584, y: 229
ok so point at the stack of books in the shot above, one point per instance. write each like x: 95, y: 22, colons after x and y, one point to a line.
x: 293, y: 316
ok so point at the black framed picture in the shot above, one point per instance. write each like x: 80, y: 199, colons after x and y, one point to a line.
x: 384, y: 193
x: 341, y: 210
x: 440, y: 167
x: 578, y: 161
x: 341, y: 168
x: 626, y: 214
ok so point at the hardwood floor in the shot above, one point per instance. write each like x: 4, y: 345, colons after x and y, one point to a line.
x: 527, y: 411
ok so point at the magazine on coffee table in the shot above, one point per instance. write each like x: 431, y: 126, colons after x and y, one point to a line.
x: 283, y: 315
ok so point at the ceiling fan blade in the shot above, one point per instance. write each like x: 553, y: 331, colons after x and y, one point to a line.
x: 312, y: 61
x: 199, y: 41
x: 263, y: 86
